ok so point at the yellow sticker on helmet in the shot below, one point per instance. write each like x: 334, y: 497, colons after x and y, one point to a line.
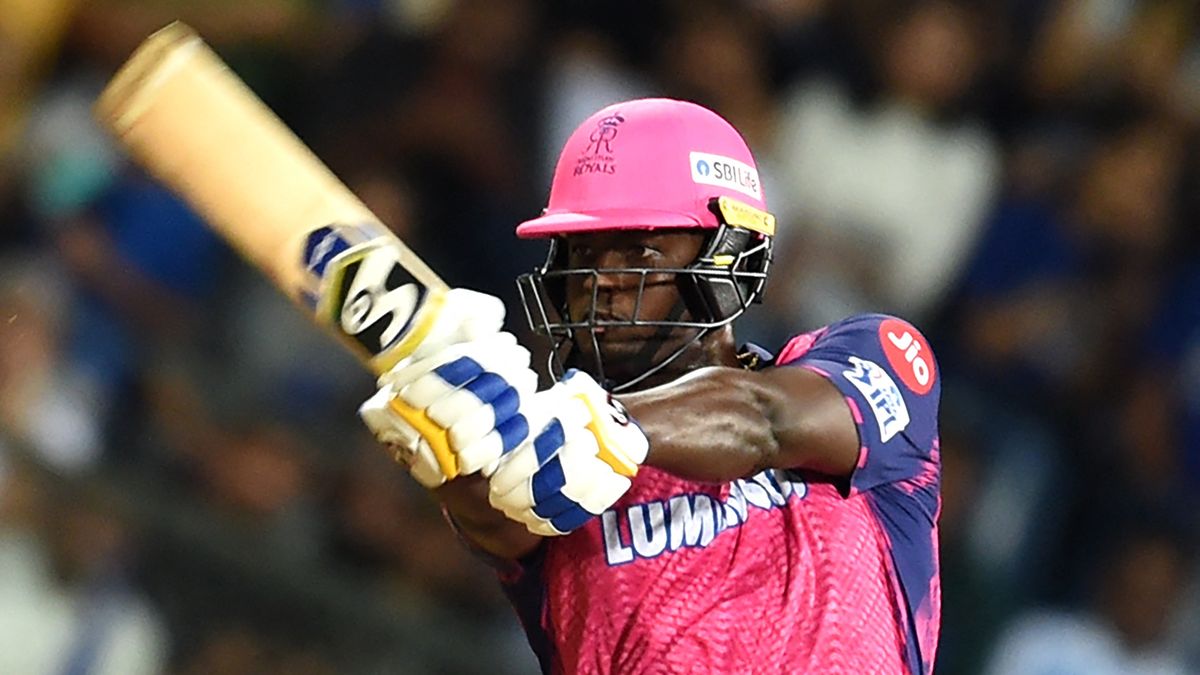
x: 740, y: 214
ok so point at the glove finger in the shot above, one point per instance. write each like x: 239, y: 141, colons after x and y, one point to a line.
x: 575, y: 477
x: 412, y: 368
x: 465, y: 315
x: 513, y: 474
x: 457, y: 404
x: 541, y: 528
x: 602, y: 492
x: 469, y: 428
x: 567, y: 515
x: 383, y: 423
x: 490, y: 469
x: 469, y: 316
x: 487, y: 316
x: 499, y: 389
x: 513, y: 492
x: 424, y: 466
x: 526, y: 460
x: 492, y: 444
x: 445, y: 380
x: 569, y: 479
x: 571, y: 519
x: 476, y: 408
x: 499, y: 417
x: 572, y: 487
x: 471, y: 412
x: 514, y: 503
x: 476, y: 452
x: 573, y: 412
x: 429, y: 389
x: 479, y: 454
x: 547, y: 485
x: 491, y: 352
x: 484, y: 380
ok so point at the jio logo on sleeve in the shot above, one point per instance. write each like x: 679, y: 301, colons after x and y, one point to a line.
x: 909, y: 355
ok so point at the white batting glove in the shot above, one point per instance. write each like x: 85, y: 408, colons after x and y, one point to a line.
x: 464, y: 316
x: 576, y: 466
x: 456, y: 411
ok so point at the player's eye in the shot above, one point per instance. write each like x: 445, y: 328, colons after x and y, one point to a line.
x: 581, y: 252
x: 650, y: 253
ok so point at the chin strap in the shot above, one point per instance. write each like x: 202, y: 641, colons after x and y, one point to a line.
x: 557, y: 367
x: 627, y: 386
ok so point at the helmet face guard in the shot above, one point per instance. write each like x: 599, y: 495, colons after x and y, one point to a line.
x: 727, y: 277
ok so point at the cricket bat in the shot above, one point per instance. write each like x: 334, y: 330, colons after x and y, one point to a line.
x: 186, y: 118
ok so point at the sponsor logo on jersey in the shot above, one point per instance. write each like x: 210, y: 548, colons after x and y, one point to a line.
x: 882, y: 395
x: 909, y: 355
x: 726, y: 172
x: 691, y: 520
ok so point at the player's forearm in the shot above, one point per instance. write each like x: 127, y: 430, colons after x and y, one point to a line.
x: 708, y: 426
x: 466, y: 499
x: 718, y: 424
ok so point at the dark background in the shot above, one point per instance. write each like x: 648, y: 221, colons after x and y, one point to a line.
x: 185, y: 486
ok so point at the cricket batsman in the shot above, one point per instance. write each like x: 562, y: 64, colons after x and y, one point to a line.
x: 675, y: 502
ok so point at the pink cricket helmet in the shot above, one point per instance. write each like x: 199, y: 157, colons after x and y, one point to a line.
x: 647, y: 163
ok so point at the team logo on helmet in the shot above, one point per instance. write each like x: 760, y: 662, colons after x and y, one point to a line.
x: 603, y: 134
x: 598, y: 156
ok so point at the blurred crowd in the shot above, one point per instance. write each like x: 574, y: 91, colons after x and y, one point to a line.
x: 184, y: 485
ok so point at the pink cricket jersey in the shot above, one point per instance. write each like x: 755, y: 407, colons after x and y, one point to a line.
x: 782, y: 572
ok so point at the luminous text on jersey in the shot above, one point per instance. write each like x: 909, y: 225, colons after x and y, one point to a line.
x: 691, y: 520
x: 725, y: 172
x: 882, y: 394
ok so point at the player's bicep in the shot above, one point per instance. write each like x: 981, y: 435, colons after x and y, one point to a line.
x: 811, y: 423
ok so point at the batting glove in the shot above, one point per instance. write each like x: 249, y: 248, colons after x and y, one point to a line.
x: 462, y: 316
x: 578, y: 464
x: 454, y: 412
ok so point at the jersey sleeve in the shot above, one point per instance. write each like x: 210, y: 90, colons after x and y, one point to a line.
x: 884, y: 368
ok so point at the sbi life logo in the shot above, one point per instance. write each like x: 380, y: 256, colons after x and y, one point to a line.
x: 725, y: 172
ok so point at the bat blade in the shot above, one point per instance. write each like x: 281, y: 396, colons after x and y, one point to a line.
x: 185, y: 117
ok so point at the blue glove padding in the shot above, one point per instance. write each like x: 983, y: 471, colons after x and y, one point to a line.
x: 579, y: 463
x: 455, y: 412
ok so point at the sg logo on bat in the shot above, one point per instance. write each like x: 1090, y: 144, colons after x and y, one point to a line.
x: 355, y: 284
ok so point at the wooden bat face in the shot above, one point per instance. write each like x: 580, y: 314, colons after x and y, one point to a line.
x: 188, y: 119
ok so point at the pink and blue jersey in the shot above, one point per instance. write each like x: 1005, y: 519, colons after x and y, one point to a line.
x: 781, y: 572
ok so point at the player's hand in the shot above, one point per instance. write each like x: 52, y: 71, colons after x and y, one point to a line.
x: 576, y: 465
x: 456, y: 411
x: 463, y: 316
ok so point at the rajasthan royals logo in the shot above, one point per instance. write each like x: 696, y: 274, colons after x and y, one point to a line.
x: 603, y: 134
x: 597, y: 156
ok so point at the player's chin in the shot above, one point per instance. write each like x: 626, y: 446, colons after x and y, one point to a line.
x: 631, y: 338
x: 626, y: 346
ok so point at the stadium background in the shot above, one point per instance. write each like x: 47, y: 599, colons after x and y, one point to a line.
x: 184, y: 486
